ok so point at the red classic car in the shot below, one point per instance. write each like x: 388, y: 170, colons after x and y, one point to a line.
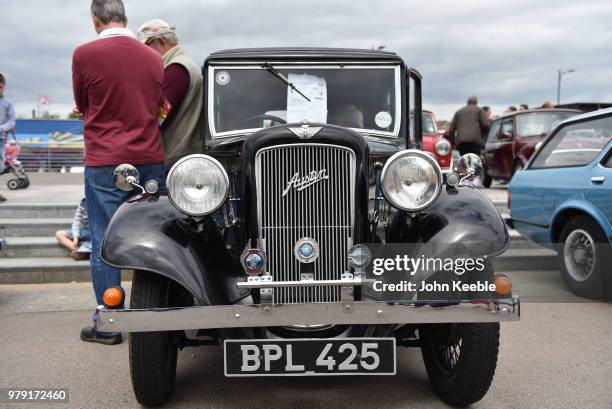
x: 512, y: 139
x: 435, y: 143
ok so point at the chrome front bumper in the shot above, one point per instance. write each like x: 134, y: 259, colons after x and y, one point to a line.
x: 358, y: 312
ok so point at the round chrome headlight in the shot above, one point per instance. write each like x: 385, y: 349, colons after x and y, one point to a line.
x: 411, y: 180
x: 197, y: 185
x: 443, y: 147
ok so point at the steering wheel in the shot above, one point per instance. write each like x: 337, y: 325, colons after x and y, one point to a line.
x: 274, y: 118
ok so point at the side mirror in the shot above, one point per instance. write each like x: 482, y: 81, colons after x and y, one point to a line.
x: 126, y: 177
x: 468, y: 167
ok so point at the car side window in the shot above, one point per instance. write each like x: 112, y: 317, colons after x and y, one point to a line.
x: 507, y: 129
x: 608, y: 162
x: 493, y: 131
x: 575, y: 145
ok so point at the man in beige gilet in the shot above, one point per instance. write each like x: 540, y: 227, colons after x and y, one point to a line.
x: 182, y: 126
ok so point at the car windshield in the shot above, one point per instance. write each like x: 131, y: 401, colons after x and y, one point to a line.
x: 245, y: 99
x: 429, y: 126
x: 540, y: 123
x: 575, y: 145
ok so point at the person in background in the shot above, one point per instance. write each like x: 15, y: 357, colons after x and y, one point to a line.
x: 181, y: 130
x: 523, y: 107
x: 7, y: 123
x: 510, y: 109
x: 467, y: 129
x: 547, y: 105
x: 347, y: 115
x: 117, y: 84
x: 489, y: 115
x: 77, y: 238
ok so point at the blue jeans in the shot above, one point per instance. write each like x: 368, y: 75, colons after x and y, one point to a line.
x: 103, y: 199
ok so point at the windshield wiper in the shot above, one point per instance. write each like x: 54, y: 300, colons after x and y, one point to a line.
x: 268, y: 67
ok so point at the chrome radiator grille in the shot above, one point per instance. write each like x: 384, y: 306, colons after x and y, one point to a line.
x: 305, y: 190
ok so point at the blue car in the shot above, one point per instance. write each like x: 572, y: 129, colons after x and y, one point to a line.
x: 563, y: 200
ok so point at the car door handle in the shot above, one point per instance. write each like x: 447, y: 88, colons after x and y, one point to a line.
x: 598, y: 179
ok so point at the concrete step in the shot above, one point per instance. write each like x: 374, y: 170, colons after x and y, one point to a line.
x: 43, y: 270
x: 32, y: 227
x: 44, y: 210
x: 532, y: 259
x: 46, y: 270
x: 29, y: 247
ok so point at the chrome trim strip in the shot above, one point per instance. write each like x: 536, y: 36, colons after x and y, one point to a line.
x: 236, y: 316
x: 525, y: 221
x: 334, y: 65
x: 303, y: 62
x: 306, y: 283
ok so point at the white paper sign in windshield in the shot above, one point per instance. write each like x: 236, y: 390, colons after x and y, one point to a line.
x: 298, y: 108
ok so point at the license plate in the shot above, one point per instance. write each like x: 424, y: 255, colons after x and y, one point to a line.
x: 309, y: 357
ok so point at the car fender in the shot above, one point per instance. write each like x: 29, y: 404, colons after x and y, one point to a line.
x: 577, y: 205
x: 149, y: 234
x: 460, y: 216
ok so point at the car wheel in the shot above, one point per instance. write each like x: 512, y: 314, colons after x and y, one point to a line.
x: 152, y: 354
x: 13, y: 184
x: 518, y: 166
x: 460, y: 359
x: 582, y: 249
x: 487, y: 180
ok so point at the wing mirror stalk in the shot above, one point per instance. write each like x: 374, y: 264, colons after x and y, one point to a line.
x: 127, y: 177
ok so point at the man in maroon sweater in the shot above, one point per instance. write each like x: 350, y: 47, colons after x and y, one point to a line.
x: 117, y: 85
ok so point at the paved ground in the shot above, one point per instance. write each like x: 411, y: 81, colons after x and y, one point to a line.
x: 46, y: 187
x: 557, y: 356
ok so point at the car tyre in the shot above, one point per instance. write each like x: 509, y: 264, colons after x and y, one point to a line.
x: 487, y: 180
x: 518, y: 166
x: 153, y: 355
x: 460, y: 359
x: 582, y: 237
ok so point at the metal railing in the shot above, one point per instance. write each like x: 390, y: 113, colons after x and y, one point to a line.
x: 51, y: 156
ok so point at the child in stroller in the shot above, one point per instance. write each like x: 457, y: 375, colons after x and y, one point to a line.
x: 12, y: 164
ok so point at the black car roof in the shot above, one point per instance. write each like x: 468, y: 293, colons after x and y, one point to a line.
x: 299, y: 53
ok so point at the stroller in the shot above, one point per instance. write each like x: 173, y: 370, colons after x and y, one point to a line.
x: 12, y: 164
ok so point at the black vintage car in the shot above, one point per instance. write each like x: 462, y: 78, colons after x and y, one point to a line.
x: 310, y: 170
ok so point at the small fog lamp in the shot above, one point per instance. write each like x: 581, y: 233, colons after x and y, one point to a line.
x: 253, y: 261
x: 503, y: 284
x: 359, y: 256
x: 113, y: 297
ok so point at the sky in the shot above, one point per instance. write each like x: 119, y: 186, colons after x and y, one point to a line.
x: 505, y: 52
